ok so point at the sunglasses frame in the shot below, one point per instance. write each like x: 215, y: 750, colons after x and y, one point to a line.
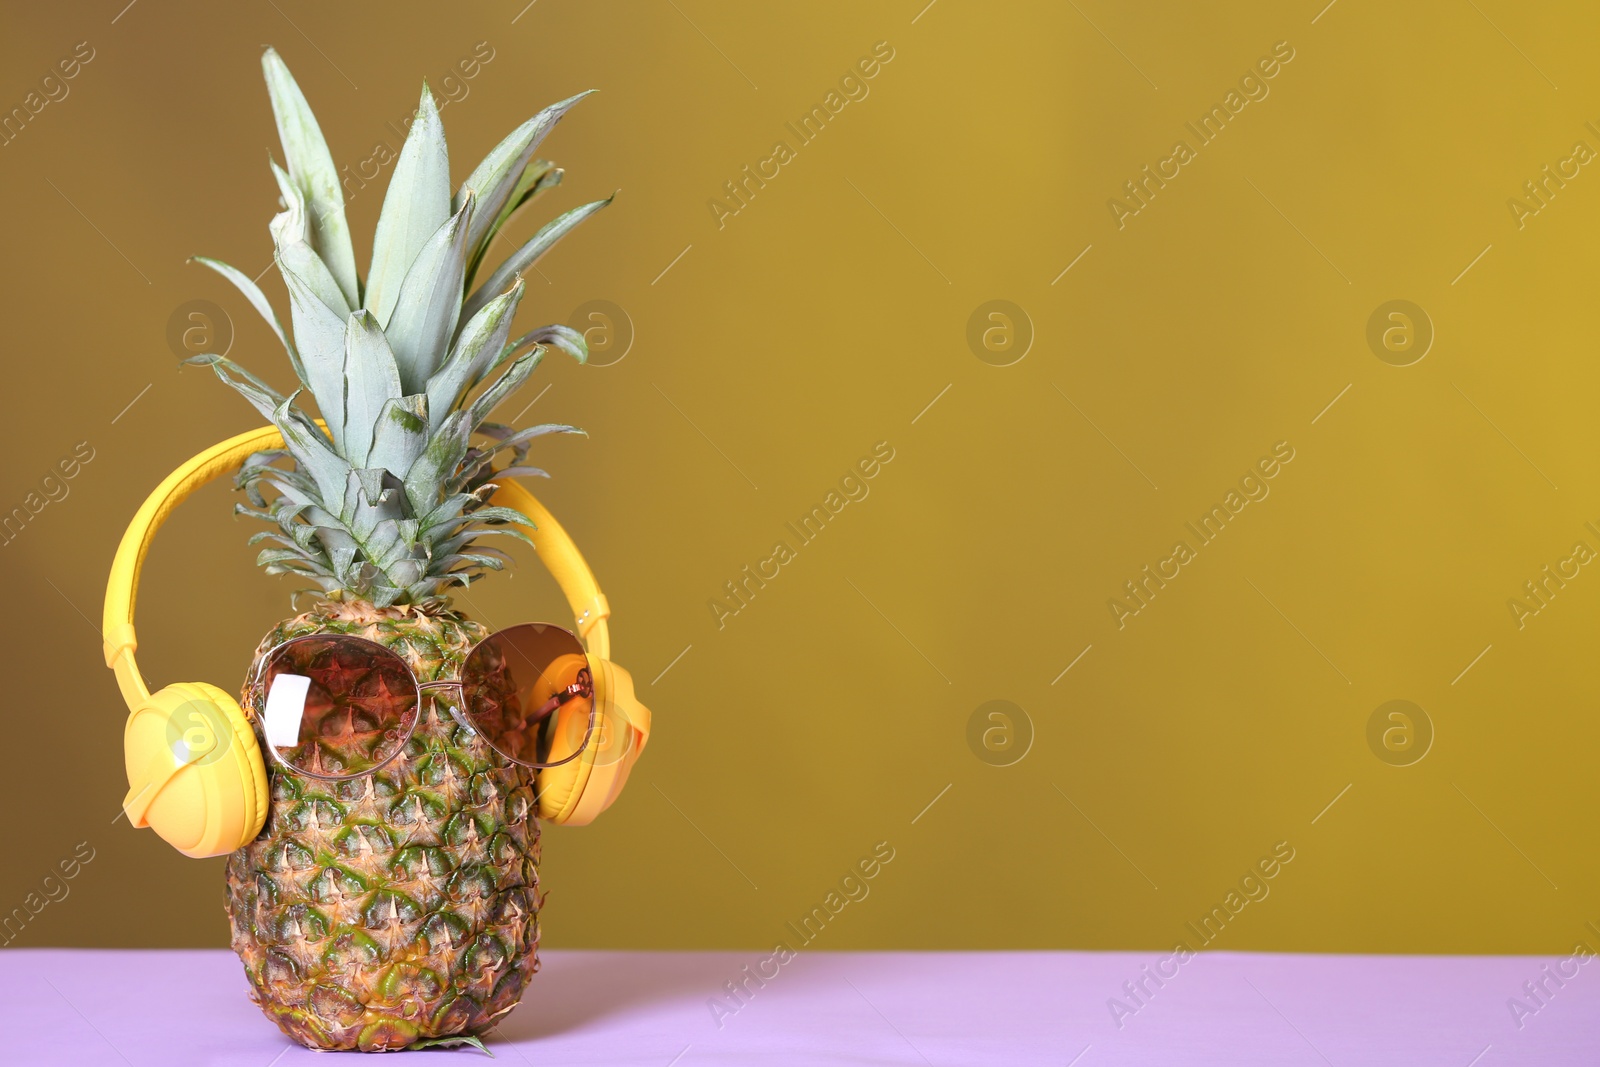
x: 456, y: 708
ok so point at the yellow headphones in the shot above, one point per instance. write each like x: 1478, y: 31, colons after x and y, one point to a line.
x: 195, y: 771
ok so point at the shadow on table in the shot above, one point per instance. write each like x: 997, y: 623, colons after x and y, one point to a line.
x: 574, y: 991
x: 569, y: 993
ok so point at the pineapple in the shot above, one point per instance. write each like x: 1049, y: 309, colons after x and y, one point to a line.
x: 400, y: 908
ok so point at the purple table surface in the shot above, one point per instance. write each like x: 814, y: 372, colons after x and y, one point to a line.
x: 936, y: 1008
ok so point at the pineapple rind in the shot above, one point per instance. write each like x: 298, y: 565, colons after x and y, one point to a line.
x: 403, y: 905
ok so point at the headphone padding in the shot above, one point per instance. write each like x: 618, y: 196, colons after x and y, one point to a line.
x: 560, y: 788
x: 596, y: 777
x: 219, y: 803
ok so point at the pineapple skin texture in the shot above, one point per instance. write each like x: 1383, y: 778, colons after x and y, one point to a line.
x: 399, y: 906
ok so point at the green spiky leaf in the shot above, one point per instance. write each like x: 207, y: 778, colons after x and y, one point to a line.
x: 504, y: 386
x: 388, y: 499
x: 291, y: 239
x: 529, y: 254
x: 319, y: 337
x: 416, y: 205
x: 495, y: 179
x: 258, y: 300
x: 481, y: 341
x: 539, y: 176
x: 565, y: 338
x: 371, y: 380
x: 313, y: 173
x: 400, y: 435
x: 430, y: 302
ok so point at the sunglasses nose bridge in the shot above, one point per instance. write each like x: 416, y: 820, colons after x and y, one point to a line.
x: 453, y: 706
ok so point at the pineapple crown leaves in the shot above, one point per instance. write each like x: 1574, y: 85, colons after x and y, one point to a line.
x: 384, y: 496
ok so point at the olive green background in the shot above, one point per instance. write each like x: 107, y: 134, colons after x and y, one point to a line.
x: 774, y: 351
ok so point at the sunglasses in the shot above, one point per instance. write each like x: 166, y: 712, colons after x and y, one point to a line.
x: 335, y: 706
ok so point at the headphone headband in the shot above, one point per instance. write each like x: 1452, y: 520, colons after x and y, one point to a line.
x: 556, y: 549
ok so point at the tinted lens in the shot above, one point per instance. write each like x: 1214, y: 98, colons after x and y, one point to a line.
x: 529, y: 692
x: 336, y: 706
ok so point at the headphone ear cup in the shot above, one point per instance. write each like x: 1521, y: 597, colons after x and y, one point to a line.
x: 558, y: 789
x: 575, y: 793
x: 195, y: 771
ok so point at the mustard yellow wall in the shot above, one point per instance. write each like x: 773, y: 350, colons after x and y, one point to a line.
x: 1180, y: 346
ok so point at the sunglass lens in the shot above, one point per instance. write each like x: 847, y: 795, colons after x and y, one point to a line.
x: 528, y: 690
x: 336, y: 706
